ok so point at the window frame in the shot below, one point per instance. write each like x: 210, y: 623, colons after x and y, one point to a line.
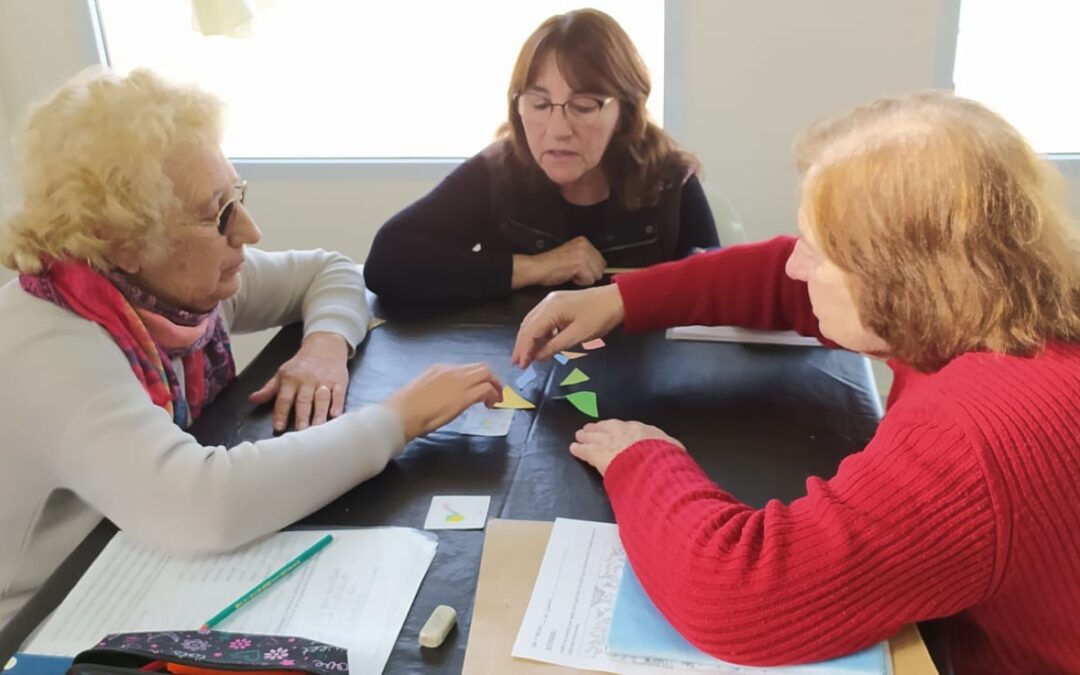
x: 1066, y: 162
x: 422, y: 168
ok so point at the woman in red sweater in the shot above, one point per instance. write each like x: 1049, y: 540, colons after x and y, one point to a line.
x: 929, y: 235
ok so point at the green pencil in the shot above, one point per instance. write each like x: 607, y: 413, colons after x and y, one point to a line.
x: 268, y: 582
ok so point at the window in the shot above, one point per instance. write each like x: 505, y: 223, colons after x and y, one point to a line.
x: 1021, y: 59
x: 339, y: 78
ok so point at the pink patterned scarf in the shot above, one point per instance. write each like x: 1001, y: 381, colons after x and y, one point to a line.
x: 149, y: 333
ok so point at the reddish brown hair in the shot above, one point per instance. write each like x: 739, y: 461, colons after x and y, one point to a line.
x: 953, y: 231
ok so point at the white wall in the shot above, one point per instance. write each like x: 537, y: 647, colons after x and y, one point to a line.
x: 7, y: 178
x: 758, y: 71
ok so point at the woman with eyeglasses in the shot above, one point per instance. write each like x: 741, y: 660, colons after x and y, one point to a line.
x: 131, y: 247
x: 579, y: 180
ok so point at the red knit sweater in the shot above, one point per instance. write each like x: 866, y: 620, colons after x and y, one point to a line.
x: 965, y: 504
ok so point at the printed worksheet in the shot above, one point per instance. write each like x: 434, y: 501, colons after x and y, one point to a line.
x: 354, y: 593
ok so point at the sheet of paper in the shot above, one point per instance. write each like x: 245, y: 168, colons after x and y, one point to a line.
x: 744, y: 335
x: 457, y: 512
x: 562, y: 358
x: 355, y: 593
x: 570, y: 356
x: 525, y: 378
x: 639, y: 629
x: 572, y: 601
x: 592, y: 344
x: 479, y: 420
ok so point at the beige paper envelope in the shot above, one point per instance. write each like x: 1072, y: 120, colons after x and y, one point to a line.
x: 513, y: 551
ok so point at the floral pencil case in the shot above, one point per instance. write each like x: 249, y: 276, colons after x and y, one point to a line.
x: 209, y: 653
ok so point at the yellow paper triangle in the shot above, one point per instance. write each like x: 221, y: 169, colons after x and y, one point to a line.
x: 513, y: 400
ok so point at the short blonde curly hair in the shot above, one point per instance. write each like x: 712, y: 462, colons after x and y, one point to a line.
x: 953, y: 230
x: 92, y: 167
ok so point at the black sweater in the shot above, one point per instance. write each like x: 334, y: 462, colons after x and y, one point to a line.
x: 430, y: 249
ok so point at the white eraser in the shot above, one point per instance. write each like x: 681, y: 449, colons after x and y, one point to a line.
x: 437, y: 626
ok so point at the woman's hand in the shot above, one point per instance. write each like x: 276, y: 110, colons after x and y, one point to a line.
x: 441, y: 394
x: 576, y: 260
x: 564, y: 319
x: 315, y: 380
x: 600, y: 442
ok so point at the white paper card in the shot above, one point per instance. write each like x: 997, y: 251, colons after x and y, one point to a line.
x: 479, y: 420
x: 452, y: 512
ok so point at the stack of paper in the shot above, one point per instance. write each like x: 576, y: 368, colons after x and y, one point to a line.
x: 355, y: 593
x: 639, y: 629
x: 571, y: 616
x: 744, y: 335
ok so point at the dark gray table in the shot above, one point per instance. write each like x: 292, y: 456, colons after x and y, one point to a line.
x: 760, y: 419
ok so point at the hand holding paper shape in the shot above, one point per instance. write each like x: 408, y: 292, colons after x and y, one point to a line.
x: 575, y: 377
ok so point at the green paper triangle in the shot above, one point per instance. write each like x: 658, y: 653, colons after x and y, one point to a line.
x: 575, y: 377
x: 585, y: 401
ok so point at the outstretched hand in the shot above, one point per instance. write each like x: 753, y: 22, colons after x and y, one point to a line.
x: 598, y: 443
x: 564, y: 319
x: 441, y: 394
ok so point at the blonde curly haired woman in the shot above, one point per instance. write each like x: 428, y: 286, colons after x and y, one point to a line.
x: 930, y: 235
x: 132, y: 251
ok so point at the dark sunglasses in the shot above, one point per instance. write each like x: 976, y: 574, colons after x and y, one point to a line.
x: 224, y: 216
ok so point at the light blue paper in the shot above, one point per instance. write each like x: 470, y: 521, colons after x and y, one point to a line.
x: 525, y: 378
x: 639, y: 629
x: 562, y: 359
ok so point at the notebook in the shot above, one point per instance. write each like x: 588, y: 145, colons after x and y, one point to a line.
x: 638, y: 629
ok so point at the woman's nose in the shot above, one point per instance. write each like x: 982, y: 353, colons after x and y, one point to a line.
x: 559, y: 123
x: 797, y: 266
x: 244, y: 230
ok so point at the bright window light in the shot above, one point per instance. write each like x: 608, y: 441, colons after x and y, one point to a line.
x: 1021, y: 59
x: 346, y: 79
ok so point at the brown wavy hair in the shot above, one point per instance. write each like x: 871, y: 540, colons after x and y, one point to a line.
x: 595, y: 54
x: 953, y: 231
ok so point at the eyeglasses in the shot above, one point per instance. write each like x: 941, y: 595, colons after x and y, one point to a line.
x: 225, y: 215
x: 579, y: 111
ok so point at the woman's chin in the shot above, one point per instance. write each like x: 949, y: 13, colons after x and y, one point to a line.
x: 562, y: 175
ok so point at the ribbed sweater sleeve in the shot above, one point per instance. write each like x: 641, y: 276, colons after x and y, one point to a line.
x: 743, y: 285
x: 905, y: 531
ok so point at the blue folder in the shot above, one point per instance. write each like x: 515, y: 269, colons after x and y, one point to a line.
x: 36, y: 664
x: 639, y: 629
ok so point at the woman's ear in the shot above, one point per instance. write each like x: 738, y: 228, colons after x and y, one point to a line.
x: 126, y: 260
